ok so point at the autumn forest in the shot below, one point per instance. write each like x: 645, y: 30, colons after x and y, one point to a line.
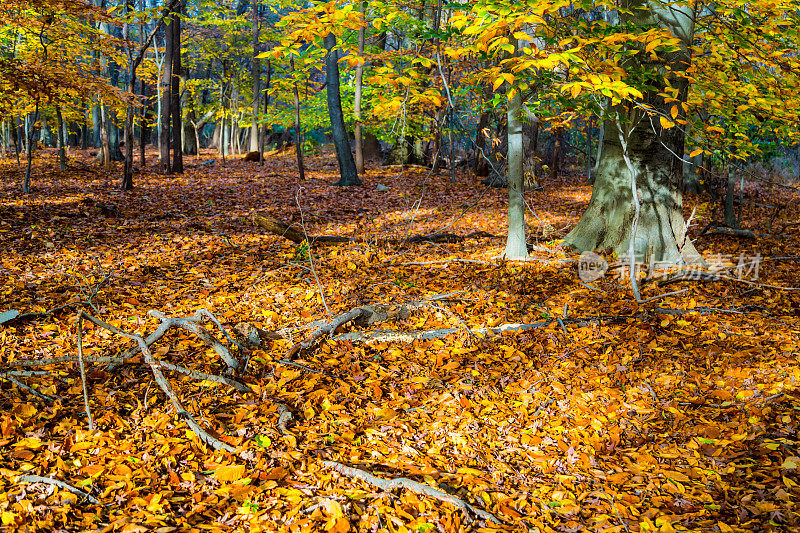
x: 399, y: 266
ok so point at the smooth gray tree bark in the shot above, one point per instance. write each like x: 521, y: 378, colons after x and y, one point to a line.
x: 516, y: 246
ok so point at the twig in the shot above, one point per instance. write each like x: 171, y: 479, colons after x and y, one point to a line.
x: 241, y: 387
x: 563, y: 327
x: 83, y: 374
x: 303, y: 367
x: 413, y: 486
x: 58, y: 483
x: 63, y: 359
x: 28, y: 388
x: 310, y: 257
x: 619, y: 517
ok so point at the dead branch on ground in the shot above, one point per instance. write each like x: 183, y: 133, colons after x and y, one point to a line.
x: 58, y: 483
x: 413, y: 486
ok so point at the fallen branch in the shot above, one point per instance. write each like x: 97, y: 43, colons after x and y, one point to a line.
x: 238, y: 385
x: 10, y: 378
x: 273, y: 225
x: 58, y: 483
x: 413, y: 486
x: 163, y: 383
x: 713, y: 229
x: 327, y: 329
x: 690, y: 275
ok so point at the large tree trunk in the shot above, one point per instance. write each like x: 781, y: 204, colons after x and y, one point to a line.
x: 655, y: 158
x: 347, y: 165
x: 607, y: 223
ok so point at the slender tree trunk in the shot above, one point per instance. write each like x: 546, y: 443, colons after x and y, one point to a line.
x: 516, y: 246
x: 62, y: 158
x: 26, y: 184
x: 256, y: 72
x: 85, y: 128
x: 347, y: 165
x: 144, y: 128
x: 357, y: 98
x: 297, y: 129
x: 15, y: 138
x: 175, y: 94
x: 266, y: 128
x: 105, y: 144
x: 730, y: 194
x: 166, y: 100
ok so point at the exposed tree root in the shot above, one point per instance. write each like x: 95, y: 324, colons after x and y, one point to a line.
x: 413, y: 486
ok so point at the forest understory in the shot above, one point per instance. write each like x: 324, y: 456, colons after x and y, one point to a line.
x: 393, y: 382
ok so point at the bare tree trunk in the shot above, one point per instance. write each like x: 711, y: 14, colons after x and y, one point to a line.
x: 357, y: 98
x: 175, y: 94
x: 263, y: 136
x: 62, y: 158
x: 516, y: 246
x: 256, y: 72
x: 298, y: 132
x: 104, y: 140
x: 347, y: 165
x: 26, y: 184
x: 166, y: 101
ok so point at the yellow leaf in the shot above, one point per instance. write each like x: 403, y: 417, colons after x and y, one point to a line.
x: 665, y: 123
x: 791, y: 463
x: 696, y: 151
x: 674, y: 112
x: 8, y: 518
x: 497, y: 83
x: 230, y: 473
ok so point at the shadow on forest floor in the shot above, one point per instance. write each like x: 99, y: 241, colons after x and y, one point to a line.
x: 679, y: 414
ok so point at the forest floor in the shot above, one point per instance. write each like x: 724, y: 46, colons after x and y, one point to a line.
x: 676, y: 414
